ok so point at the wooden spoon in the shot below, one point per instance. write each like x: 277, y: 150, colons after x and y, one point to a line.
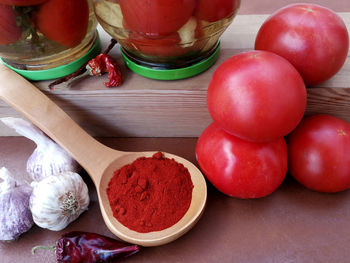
x: 97, y: 159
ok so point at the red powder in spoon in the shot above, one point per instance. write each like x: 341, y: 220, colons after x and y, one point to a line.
x: 150, y: 194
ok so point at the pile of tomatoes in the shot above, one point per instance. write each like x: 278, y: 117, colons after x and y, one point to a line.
x: 257, y: 100
x: 62, y: 21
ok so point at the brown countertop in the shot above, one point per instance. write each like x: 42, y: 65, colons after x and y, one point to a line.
x: 291, y: 225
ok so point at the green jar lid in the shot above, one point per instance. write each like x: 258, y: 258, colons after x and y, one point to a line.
x: 60, y: 71
x: 172, y: 74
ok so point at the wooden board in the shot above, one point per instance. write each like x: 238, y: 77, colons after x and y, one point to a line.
x: 149, y: 108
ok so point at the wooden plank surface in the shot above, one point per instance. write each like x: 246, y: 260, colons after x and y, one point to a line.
x: 149, y: 108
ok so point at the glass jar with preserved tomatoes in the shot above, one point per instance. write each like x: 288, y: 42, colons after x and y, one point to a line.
x: 39, y: 36
x: 167, y: 34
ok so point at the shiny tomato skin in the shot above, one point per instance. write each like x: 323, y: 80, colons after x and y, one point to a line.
x: 60, y: 21
x: 319, y: 153
x: 313, y: 38
x: 214, y: 10
x: 9, y: 31
x: 240, y: 168
x: 154, y: 18
x: 256, y: 96
x: 21, y: 2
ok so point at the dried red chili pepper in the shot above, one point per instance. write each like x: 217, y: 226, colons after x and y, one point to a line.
x: 103, y: 63
x: 85, y: 247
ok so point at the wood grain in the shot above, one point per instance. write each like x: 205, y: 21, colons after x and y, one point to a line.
x: 149, y: 108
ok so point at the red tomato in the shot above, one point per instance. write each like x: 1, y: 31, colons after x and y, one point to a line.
x: 63, y: 21
x: 214, y: 10
x: 21, y: 2
x: 257, y: 96
x: 240, y: 168
x: 9, y: 31
x: 161, y: 47
x: 313, y: 38
x: 155, y: 18
x: 319, y: 153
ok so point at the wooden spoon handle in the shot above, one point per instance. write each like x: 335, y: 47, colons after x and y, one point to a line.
x: 38, y: 108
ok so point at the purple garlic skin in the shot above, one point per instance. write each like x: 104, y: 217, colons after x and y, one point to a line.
x: 15, y: 215
x: 50, y: 160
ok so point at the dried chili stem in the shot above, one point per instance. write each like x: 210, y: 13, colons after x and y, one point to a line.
x: 82, y: 69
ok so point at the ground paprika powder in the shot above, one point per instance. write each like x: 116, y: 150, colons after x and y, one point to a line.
x: 150, y: 194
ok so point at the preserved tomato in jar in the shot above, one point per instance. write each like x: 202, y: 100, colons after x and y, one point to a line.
x: 44, y: 34
x: 166, y: 34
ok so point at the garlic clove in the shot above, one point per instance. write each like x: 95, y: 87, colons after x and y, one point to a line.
x: 48, y: 158
x: 58, y: 200
x: 15, y: 216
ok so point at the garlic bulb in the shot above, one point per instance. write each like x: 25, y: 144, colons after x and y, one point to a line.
x: 58, y: 200
x: 48, y: 158
x: 15, y: 216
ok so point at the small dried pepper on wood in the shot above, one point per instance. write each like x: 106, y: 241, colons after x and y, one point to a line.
x: 103, y: 63
x: 85, y: 247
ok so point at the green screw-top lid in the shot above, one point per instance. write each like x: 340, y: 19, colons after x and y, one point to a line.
x: 172, y: 74
x: 60, y: 71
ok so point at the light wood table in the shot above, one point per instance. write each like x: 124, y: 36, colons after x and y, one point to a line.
x: 143, y: 107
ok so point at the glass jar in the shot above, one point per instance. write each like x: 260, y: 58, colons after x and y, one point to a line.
x: 43, y: 35
x: 167, y: 34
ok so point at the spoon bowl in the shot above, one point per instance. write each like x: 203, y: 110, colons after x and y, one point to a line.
x: 98, y: 160
x: 157, y: 237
